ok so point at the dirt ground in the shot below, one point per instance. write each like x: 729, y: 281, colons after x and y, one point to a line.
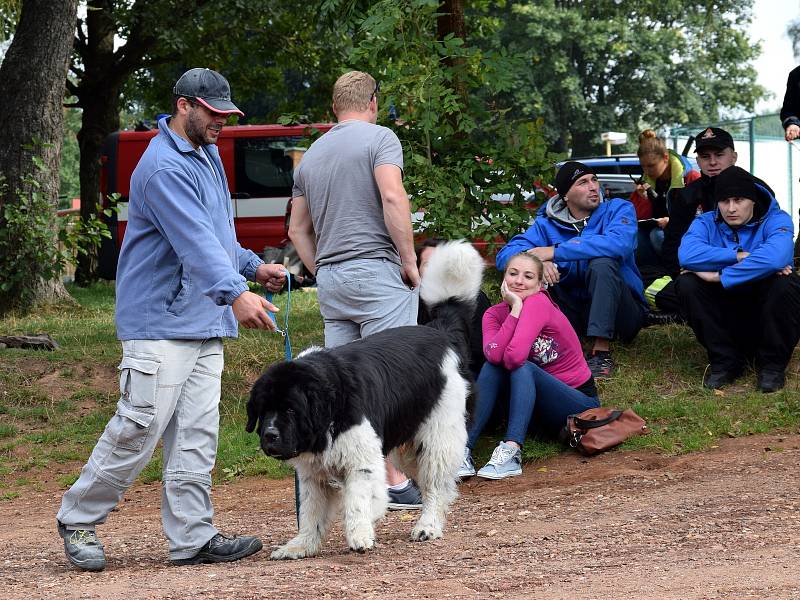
x: 719, y: 524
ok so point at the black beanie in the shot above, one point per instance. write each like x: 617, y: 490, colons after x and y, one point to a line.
x: 734, y: 182
x: 568, y: 173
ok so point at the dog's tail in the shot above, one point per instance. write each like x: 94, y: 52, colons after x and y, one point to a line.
x: 449, y: 290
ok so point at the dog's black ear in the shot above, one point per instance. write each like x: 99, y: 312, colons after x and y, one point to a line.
x: 254, y: 407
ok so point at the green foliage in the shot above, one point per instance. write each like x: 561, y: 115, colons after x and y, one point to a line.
x: 84, y: 236
x: 459, y: 147
x: 622, y: 65
x: 70, y: 186
x: 276, y: 55
x: 28, y: 249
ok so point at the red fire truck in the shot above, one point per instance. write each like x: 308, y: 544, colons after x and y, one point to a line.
x: 258, y: 161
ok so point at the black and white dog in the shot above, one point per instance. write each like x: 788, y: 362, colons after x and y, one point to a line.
x: 335, y: 413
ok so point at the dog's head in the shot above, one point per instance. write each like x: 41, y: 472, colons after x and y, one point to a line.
x: 289, y: 405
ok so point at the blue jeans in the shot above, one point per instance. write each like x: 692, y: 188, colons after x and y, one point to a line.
x: 532, y: 392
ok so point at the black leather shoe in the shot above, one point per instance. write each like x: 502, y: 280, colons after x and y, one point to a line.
x: 770, y: 381
x: 717, y: 379
x: 223, y: 549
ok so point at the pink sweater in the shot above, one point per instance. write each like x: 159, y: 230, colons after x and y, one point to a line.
x: 541, y: 334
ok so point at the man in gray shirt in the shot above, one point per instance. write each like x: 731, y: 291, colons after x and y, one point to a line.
x: 351, y: 226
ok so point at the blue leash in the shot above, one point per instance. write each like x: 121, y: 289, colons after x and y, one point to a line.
x: 287, y: 351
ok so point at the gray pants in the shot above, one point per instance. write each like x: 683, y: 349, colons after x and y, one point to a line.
x: 170, y: 389
x: 362, y: 296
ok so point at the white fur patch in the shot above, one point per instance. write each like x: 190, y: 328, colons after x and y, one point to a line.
x: 455, y: 270
x: 309, y: 350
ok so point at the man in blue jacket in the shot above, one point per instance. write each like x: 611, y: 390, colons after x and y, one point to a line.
x: 587, y: 245
x: 738, y: 291
x: 181, y: 288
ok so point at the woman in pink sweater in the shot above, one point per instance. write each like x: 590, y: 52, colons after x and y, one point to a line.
x: 533, y: 353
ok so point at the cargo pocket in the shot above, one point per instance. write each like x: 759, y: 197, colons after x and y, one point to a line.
x: 138, y: 384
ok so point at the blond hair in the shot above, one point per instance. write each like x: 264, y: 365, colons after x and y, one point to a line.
x: 353, y: 92
x: 534, y: 259
x: 651, y: 144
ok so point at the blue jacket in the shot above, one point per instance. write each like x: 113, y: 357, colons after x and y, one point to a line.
x: 610, y: 231
x: 711, y: 245
x: 180, y: 266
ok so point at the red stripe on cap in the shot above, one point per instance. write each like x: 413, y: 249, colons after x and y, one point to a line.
x: 218, y: 111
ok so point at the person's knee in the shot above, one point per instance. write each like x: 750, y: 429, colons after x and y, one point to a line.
x: 784, y: 291
x: 604, y: 266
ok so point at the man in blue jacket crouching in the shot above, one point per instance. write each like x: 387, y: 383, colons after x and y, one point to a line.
x: 587, y: 245
x: 737, y: 289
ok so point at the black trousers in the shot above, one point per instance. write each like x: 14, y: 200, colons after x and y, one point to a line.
x: 611, y: 311
x: 757, y: 321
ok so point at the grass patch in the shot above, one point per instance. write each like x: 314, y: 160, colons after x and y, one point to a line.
x: 659, y: 376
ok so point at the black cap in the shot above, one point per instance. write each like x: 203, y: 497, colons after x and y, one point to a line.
x: 735, y: 182
x: 713, y: 137
x: 567, y: 175
x: 209, y: 88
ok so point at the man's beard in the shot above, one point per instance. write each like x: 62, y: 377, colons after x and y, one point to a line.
x: 196, y: 130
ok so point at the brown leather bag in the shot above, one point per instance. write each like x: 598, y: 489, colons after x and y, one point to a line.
x: 599, y: 429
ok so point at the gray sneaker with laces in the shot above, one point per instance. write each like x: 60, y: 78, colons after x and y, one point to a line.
x: 467, y: 468
x: 82, y: 548
x: 506, y: 461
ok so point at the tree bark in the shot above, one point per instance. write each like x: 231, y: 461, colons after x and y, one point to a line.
x: 32, y: 94
x: 98, y: 97
x: 451, y: 21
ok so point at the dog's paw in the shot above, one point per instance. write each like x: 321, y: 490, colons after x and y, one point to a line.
x: 291, y: 551
x: 424, y: 532
x: 361, y: 544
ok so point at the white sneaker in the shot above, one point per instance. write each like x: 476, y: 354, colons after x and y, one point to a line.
x: 467, y: 468
x: 506, y: 461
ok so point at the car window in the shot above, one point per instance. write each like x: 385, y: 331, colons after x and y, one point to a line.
x: 263, y: 169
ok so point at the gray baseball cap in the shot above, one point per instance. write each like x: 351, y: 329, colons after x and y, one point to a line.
x: 209, y: 88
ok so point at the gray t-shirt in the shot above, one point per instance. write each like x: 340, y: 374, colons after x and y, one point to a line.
x: 336, y: 178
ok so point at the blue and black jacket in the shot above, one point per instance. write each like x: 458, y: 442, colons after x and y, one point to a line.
x: 711, y: 244
x: 610, y: 231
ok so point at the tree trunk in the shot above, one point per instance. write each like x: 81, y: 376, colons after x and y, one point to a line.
x: 451, y: 21
x: 98, y: 96
x: 32, y: 94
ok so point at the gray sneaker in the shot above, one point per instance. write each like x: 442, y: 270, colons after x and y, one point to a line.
x: 467, y: 468
x: 506, y: 461
x: 409, y: 498
x: 82, y: 548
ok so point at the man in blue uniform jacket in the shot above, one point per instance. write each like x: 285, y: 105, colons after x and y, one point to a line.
x: 737, y: 289
x: 587, y: 246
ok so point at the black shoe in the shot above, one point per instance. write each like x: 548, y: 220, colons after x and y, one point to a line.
x: 717, y: 379
x: 600, y: 364
x: 223, y: 549
x: 769, y: 381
